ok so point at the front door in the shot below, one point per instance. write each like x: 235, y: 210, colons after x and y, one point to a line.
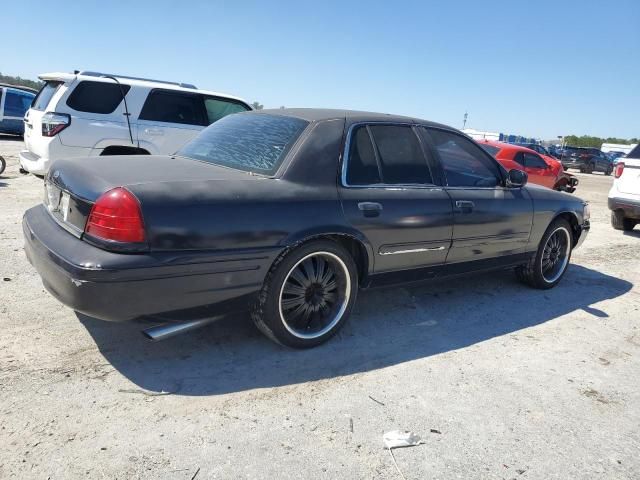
x: 490, y: 221
x: 388, y: 193
x: 537, y: 169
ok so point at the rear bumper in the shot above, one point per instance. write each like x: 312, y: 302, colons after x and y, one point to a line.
x: 631, y: 208
x: 33, y: 163
x: 119, y: 287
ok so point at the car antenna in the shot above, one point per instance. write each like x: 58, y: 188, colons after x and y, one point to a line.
x: 126, y: 107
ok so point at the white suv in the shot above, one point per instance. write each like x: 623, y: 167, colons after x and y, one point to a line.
x: 624, y: 196
x: 86, y: 114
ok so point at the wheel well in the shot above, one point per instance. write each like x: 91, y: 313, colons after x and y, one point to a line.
x: 123, y: 150
x: 356, y: 249
x: 573, y: 221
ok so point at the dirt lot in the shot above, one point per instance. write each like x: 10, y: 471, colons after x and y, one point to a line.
x: 501, y: 381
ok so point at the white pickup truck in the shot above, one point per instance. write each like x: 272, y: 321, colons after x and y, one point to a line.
x: 624, y: 196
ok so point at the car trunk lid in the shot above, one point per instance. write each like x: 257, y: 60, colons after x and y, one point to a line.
x: 72, y: 186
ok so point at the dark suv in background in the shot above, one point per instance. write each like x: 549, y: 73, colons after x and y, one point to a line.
x: 587, y: 160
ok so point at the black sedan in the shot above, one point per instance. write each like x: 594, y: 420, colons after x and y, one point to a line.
x: 287, y: 213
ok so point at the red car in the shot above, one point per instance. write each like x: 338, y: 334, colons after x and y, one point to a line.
x: 542, y: 169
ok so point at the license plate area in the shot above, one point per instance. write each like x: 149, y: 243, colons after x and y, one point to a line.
x: 58, y: 203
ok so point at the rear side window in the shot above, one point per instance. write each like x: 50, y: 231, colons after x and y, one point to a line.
x: 218, y: 108
x: 96, y: 97
x: 174, y: 107
x: 362, y: 168
x: 251, y: 142
x: 388, y: 154
x: 400, y: 155
x: 45, y: 95
x: 465, y: 164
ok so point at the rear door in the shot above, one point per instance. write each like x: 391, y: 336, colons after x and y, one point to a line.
x: 169, y: 119
x: 388, y: 192
x: 490, y: 221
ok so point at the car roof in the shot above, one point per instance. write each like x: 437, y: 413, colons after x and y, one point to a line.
x: 19, y: 87
x: 134, y: 82
x: 353, y: 116
x: 506, y: 146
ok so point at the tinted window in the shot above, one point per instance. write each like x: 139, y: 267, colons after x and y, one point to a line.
x: 16, y: 103
x: 174, y: 107
x: 218, y: 108
x: 490, y: 149
x: 635, y: 153
x: 362, y: 167
x: 464, y: 163
x: 401, y: 158
x: 251, y: 142
x: 96, y: 97
x: 532, y: 161
x: 45, y: 95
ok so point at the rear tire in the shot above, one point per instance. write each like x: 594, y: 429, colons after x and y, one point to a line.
x: 589, y: 168
x: 550, y: 263
x: 3, y: 165
x: 307, y: 295
x: 609, y: 171
x: 620, y: 222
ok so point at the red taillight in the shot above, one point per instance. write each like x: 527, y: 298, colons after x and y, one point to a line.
x: 617, y: 173
x: 53, y: 123
x: 116, y: 217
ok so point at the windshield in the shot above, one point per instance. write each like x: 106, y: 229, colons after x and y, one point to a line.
x: 251, y: 142
x: 490, y: 149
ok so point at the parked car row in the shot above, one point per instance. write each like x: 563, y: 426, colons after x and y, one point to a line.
x: 86, y: 114
x: 587, y: 160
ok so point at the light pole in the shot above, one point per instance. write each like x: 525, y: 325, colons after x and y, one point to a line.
x: 464, y: 121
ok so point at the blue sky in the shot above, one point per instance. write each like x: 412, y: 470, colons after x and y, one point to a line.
x: 542, y: 68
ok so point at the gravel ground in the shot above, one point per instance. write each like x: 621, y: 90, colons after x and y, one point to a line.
x: 501, y: 381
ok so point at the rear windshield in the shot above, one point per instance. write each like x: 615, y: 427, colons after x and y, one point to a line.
x: 635, y: 153
x: 45, y: 95
x: 490, y: 149
x: 250, y: 142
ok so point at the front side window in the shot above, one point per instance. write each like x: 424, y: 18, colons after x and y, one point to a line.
x: 251, y: 142
x: 530, y: 160
x: 464, y: 163
x: 97, y: 97
x: 218, y: 108
x: 174, y: 107
x: 45, y: 95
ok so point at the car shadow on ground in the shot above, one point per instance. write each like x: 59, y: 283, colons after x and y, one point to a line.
x: 387, y: 327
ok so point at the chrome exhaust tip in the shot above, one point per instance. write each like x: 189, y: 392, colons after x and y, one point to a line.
x: 161, y: 332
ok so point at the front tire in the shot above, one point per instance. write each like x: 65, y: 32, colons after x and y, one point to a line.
x: 307, y: 295
x: 550, y: 263
x: 619, y: 222
x: 589, y: 168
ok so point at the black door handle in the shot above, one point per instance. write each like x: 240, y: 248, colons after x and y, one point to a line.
x: 370, y: 209
x: 465, y: 205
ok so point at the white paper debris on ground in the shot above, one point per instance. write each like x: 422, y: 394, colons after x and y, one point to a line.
x: 400, y: 439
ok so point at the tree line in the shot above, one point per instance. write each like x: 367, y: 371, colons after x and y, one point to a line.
x: 23, y: 82
x: 595, y: 142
